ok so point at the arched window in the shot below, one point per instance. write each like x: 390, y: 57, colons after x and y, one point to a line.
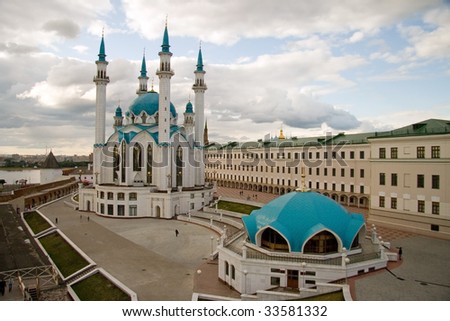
x: 137, y: 157
x: 124, y: 161
x: 321, y: 243
x: 116, y: 160
x: 274, y: 241
x: 179, y: 167
x: 149, y: 163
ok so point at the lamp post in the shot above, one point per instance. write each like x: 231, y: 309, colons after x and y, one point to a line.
x: 169, y: 182
x: 245, y: 281
x: 303, y: 264
x: 212, y: 244
x: 347, y: 261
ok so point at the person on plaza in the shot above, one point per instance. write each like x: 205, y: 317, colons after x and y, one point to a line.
x: 176, y: 233
x: 10, y: 284
x: 400, y: 252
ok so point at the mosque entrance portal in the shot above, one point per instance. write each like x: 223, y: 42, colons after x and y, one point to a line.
x: 292, y: 279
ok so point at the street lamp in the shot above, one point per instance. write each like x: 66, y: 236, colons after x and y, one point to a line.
x: 347, y: 261
x: 303, y: 264
x: 212, y: 244
x: 245, y: 281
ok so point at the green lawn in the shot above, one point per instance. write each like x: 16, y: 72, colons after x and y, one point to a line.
x: 236, y: 207
x: 36, y: 222
x: 63, y: 255
x: 98, y: 288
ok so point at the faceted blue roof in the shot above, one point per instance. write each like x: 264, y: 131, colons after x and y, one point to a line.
x: 149, y: 103
x: 127, y: 133
x: 298, y: 216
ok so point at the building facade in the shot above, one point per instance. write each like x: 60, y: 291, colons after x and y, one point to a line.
x: 401, y: 176
x: 149, y: 166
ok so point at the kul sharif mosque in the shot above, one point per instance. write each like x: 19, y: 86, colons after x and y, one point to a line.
x: 150, y: 166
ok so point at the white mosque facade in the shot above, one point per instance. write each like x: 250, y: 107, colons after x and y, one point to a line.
x: 150, y: 166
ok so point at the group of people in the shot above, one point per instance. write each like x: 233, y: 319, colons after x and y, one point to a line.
x: 3, y: 286
x: 254, y: 196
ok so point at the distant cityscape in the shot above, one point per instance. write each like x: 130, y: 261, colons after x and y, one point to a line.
x: 31, y: 161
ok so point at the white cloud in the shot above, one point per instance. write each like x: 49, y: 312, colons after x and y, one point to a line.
x: 257, y: 19
x: 42, y: 23
x: 356, y: 37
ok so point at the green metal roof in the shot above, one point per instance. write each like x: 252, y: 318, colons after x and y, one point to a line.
x: 426, y: 127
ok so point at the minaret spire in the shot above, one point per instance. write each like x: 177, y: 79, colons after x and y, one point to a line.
x: 165, y: 73
x: 165, y: 45
x: 143, y: 79
x: 199, y: 88
x: 101, y: 80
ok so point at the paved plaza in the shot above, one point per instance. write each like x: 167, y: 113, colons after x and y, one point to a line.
x: 147, y: 256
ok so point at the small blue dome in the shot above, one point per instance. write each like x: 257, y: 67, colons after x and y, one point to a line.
x: 298, y: 216
x: 189, y: 108
x: 118, y: 111
x: 149, y: 103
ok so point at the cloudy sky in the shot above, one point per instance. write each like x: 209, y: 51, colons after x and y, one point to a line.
x: 305, y: 66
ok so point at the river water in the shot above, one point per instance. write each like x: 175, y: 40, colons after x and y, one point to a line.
x: 31, y: 175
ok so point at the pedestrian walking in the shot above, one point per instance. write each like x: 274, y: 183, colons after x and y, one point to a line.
x: 10, y: 285
x: 176, y: 233
x: 56, y: 220
x: 400, y: 253
x: 88, y: 218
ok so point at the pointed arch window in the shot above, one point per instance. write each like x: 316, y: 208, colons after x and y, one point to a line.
x: 274, y: 241
x: 149, y: 163
x: 179, y: 166
x: 137, y: 157
x: 321, y: 243
x: 116, y: 160
x: 124, y: 161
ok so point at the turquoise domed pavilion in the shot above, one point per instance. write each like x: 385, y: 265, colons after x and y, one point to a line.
x: 305, y: 222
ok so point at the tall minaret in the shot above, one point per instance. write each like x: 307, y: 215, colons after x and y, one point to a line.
x: 164, y: 73
x: 142, y: 78
x: 101, y: 81
x: 165, y: 175
x: 199, y: 88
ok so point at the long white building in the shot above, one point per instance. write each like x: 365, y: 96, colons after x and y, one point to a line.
x: 402, y: 176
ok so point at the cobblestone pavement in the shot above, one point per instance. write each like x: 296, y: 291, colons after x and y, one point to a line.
x: 146, y: 255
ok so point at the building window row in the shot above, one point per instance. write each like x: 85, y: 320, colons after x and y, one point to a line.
x: 120, y: 196
x: 420, y: 152
x: 289, y: 155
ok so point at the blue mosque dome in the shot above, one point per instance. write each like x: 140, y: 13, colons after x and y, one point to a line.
x: 298, y: 217
x: 149, y: 103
